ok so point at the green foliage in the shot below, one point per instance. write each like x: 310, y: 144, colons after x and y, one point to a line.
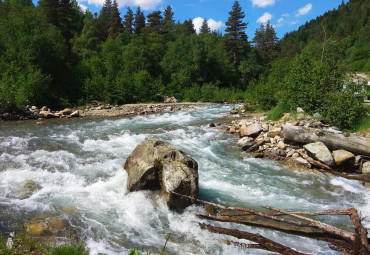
x: 277, y: 112
x: 134, y: 251
x: 78, y: 249
x: 343, y: 109
x: 236, y: 40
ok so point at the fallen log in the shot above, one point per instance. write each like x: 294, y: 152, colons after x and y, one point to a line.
x: 339, y: 239
x: 255, y: 146
x: 265, y: 242
x: 352, y: 143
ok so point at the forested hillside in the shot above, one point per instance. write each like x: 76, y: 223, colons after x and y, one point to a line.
x: 54, y: 54
x: 349, y: 24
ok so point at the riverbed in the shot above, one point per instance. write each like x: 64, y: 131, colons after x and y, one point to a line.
x: 78, y: 165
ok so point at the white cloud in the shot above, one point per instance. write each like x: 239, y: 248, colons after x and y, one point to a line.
x: 197, y: 22
x: 285, y: 15
x: 83, y: 7
x: 263, y: 3
x: 264, y: 18
x: 144, y: 4
x: 215, y: 25
x: 304, y: 10
x: 212, y: 24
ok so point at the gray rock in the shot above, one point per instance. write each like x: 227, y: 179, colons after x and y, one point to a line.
x: 75, y: 114
x: 274, y: 132
x: 319, y: 152
x: 156, y: 165
x: 252, y: 130
x: 233, y: 111
x: 290, y: 153
x: 48, y: 115
x: 300, y: 110
x: 317, y: 116
x: 245, y: 143
x: 342, y: 156
x: 302, y: 162
x: 366, y: 167
x: 300, y: 116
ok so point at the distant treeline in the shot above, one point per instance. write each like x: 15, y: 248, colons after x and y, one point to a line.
x: 55, y: 54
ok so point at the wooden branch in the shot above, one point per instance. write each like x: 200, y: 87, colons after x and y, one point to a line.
x: 255, y: 147
x: 269, y: 244
x: 331, y: 170
x: 264, y: 215
x: 319, y: 235
x: 361, y: 232
x: 314, y: 162
x: 323, y: 226
x: 245, y: 245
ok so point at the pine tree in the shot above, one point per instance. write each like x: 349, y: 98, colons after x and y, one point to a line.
x: 266, y: 42
x: 189, y: 27
x: 236, y: 40
x: 204, y: 28
x: 115, y: 26
x: 104, y: 20
x: 154, y: 20
x: 128, y: 21
x: 168, y: 23
x: 139, y: 20
x: 50, y: 8
x: 66, y: 19
x: 85, y: 44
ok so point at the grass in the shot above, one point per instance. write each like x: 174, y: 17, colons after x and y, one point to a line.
x: 23, y: 244
x: 277, y: 112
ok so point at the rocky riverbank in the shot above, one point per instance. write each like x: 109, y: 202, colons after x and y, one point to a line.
x: 302, y: 142
x: 96, y: 110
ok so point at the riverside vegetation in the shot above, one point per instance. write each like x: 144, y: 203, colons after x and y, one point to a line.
x: 56, y: 55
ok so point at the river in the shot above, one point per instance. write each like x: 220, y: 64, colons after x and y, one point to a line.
x: 79, y: 167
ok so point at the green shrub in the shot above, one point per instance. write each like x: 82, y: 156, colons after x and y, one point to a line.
x: 343, y: 109
x: 78, y: 249
x: 278, y: 112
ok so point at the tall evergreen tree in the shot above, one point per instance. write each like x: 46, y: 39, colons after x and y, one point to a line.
x: 204, y: 28
x: 168, y: 23
x: 66, y: 19
x: 236, y: 40
x: 85, y: 44
x: 50, y: 8
x: 104, y: 20
x: 115, y: 26
x: 139, y: 20
x: 266, y: 42
x: 154, y: 20
x: 189, y: 27
x: 128, y: 21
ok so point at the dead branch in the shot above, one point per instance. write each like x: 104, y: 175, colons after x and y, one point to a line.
x: 269, y: 244
x: 245, y: 245
x: 323, y: 226
x: 255, y: 147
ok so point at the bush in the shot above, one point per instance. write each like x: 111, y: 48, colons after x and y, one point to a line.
x: 343, y: 109
x: 278, y: 112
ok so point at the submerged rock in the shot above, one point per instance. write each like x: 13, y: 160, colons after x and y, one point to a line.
x: 156, y: 165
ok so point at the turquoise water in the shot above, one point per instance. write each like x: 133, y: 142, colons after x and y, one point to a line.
x: 78, y: 163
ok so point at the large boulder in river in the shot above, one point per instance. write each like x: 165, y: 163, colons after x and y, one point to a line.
x: 156, y: 165
x: 342, y: 156
x: 320, y: 152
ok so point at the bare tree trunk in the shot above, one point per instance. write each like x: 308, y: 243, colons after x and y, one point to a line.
x: 352, y: 143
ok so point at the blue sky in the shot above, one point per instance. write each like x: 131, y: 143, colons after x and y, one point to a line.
x: 285, y: 15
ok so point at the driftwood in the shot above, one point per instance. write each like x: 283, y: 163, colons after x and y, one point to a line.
x: 352, y: 143
x: 340, y: 240
x: 255, y: 146
x: 265, y: 242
